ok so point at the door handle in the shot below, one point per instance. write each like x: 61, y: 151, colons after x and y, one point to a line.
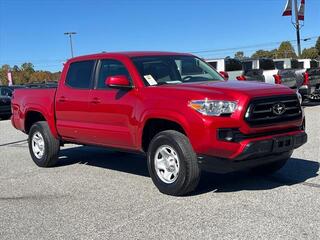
x: 96, y: 100
x: 62, y: 99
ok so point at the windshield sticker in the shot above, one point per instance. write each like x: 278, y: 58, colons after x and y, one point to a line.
x: 150, y: 80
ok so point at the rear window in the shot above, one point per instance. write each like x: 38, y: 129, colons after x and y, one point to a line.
x: 233, y: 65
x: 296, y: 65
x: 279, y: 64
x: 313, y: 64
x: 301, y: 65
x: 80, y: 74
x: 213, y: 64
x: 267, y: 64
x: 247, y: 65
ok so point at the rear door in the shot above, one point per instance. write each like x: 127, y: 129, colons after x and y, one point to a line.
x: 111, y: 120
x: 72, y: 107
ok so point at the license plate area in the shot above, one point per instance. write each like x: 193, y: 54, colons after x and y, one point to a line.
x: 283, y: 144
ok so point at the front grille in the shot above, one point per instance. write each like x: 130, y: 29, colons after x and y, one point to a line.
x: 261, y: 111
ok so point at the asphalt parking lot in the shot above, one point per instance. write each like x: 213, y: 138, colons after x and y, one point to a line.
x: 99, y: 194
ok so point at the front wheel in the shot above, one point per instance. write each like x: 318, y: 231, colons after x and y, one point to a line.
x: 172, y: 163
x: 43, y: 147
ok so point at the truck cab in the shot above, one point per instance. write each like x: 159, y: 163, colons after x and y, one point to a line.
x: 229, y: 68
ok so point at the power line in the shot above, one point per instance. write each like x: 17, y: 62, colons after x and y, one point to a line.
x: 247, y: 46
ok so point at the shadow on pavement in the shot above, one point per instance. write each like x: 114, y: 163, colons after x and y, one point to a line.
x: 294, y: 172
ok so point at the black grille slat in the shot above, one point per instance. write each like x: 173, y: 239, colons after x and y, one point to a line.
x: 260, y: 110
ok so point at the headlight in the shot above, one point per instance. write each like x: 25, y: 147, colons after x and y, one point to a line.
x: 213, y: 107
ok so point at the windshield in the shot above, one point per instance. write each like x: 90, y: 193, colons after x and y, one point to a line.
x: 159, y: 70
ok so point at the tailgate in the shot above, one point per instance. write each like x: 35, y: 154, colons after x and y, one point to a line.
x: 254, y: 75
x: 314, y: 76
x: 288, y: 77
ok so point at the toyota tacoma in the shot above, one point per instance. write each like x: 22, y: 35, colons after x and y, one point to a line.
x: 172, y: 107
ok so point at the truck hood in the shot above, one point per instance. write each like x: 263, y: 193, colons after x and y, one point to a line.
x: 232, y: 88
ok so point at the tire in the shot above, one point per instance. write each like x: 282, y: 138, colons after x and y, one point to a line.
x: 48, y: 156
x: 184, y: 159
x: 269, y: 169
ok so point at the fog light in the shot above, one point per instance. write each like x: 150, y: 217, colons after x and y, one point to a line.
x: 226, y: 134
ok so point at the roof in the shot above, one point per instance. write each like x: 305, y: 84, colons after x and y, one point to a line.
x: 130, y: 54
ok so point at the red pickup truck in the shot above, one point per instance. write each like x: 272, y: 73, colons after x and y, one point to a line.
x: 172, y: 107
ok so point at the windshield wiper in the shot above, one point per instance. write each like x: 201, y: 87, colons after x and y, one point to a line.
x: 169, y: 82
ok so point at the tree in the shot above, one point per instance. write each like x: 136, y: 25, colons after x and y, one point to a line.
x: 265, y: 54
x: 318, y: 46
x: 3, y: 74
x: 286, y: 50
x: 310, y: 53
x: 239, y: 55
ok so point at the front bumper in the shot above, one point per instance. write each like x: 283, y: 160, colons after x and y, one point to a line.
x: 255, y: 153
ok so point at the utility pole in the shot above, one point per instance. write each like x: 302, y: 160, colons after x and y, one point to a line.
x: 297, y: 26
x: 70, y: 37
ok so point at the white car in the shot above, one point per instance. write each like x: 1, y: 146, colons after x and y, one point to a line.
x: 262, y: 69
x: 229, y: 68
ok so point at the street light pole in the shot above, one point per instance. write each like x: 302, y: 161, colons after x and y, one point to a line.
x: 297, y: 26
x: 70, y: 37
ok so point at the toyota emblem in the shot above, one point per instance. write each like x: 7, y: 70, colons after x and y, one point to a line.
x: 278, y: 109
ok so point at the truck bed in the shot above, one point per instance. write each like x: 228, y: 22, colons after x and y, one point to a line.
x: 28, y: 99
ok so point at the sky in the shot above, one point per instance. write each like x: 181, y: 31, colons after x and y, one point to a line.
x: 32, y: 30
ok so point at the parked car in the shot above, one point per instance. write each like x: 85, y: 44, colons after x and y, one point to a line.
x: 290, y: 71
x: 264, y: 70
x: 173, y: 107
x: 229, y: 68
x: 311, y: 82
x: 5, y: 102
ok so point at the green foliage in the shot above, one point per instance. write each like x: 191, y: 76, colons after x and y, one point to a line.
x: 239, y: 55
x: 318, y: 46
x: 265, y: 54
x: 286, y: 50
x: 26, y: 74
x: 310, y: 53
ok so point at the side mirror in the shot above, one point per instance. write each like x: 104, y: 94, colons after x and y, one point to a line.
x: 119, y: 81
x: 225, y: 75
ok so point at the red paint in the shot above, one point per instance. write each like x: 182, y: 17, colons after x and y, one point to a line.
x: 241, y: 78
x: 225, y: 75
x: 306, y: 79
x: 277, y: 79
x: 116, y: 118
x: 117, y: 81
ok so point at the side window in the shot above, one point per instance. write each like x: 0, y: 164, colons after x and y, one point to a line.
x: 233, y: 65
x: 279, y: 65
x: 109, y: 68
x: 313, y: 64
x: 79, y: 74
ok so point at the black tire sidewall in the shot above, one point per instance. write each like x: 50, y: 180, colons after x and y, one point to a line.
x: 171, y: 188
x: 42, y: 161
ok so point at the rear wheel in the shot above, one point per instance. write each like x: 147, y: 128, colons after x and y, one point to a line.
x: 172, y: 163
x: 43, y: 147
